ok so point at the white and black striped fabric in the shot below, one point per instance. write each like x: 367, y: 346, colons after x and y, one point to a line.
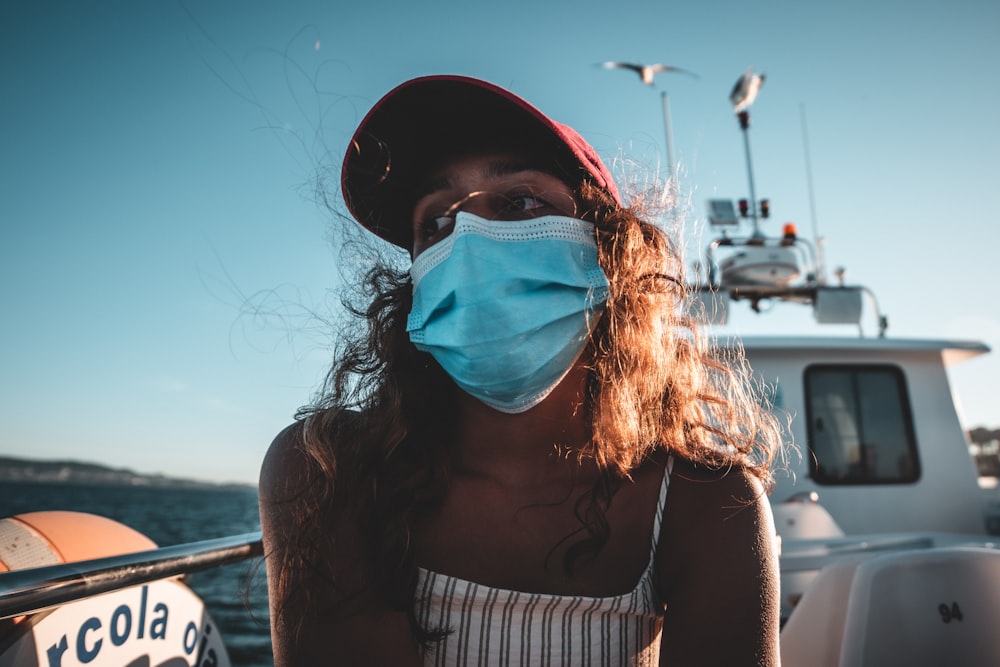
x: 494, y: 627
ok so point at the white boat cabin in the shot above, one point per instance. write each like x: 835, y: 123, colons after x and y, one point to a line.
x: 877, y: 436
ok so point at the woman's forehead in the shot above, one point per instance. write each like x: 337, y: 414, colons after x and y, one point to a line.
x: 485, y: 166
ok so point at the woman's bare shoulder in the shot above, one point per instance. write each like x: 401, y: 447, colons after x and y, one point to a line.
x: 321, y: 587
x: 291, y: 468
x: 289, y: 489
x: 709, y: 481
x: 714, y: 505
x: 286, y: 465
x: 717, y: 566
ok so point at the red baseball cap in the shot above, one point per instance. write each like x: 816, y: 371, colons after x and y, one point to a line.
x: 425, y: 121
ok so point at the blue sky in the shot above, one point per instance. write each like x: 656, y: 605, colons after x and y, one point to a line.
x: 168, y: 276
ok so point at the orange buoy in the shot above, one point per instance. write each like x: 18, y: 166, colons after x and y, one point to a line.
x: 37, y: 539
x: 157, y: 623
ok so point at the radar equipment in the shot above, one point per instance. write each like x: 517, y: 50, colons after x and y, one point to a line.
x: 758, y: 268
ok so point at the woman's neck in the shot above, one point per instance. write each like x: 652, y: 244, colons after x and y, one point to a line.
x: 527, y: 448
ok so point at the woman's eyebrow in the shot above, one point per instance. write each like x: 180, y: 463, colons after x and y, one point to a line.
x: 495, y: 169
x: 508, y: 167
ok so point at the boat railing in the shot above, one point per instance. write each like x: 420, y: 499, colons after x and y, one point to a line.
x: 37, y: 589
x: 832, y: 304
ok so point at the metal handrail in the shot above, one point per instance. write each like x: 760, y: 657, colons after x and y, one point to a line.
x: 37, y: 589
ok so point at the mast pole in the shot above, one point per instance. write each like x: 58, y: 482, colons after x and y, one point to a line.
x: 668, y: 130
x: 744, y: 118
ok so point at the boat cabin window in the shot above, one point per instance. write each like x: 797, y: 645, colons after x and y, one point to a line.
x: 860, y: 428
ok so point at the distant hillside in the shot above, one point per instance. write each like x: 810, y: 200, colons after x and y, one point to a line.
x: 77, y: 472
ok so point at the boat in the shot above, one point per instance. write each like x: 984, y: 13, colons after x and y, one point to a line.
x: 881, y: 520
x: 885, y: 556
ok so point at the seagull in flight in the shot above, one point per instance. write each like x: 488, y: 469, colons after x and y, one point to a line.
x: 746, y: 89
x: 646, y: 72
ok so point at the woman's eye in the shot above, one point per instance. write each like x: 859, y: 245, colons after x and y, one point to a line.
x: 527, y: 202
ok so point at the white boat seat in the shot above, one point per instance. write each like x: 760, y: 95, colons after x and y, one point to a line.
x: 814, y: 633
x: 922, y: 607
x: 795, y: 520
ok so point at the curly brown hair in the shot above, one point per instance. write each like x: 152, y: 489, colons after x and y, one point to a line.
x: 378, y: 437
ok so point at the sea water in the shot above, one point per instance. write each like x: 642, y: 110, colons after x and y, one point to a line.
x: 235, y: 595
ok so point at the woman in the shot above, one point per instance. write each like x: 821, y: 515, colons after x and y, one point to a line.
x: 485, y: 479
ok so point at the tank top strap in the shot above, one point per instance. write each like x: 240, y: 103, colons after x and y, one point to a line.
x: 660, y: 504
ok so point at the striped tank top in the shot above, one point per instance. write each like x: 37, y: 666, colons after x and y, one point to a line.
x: 491, y: 626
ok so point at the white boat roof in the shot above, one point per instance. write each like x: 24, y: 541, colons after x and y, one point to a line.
x: 952, y: 351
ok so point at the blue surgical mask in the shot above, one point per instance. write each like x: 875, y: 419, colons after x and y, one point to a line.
x: 506, y: 307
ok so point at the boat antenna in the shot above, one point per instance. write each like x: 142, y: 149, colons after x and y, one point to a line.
x: 820, y: 241
x: 742, y: 96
